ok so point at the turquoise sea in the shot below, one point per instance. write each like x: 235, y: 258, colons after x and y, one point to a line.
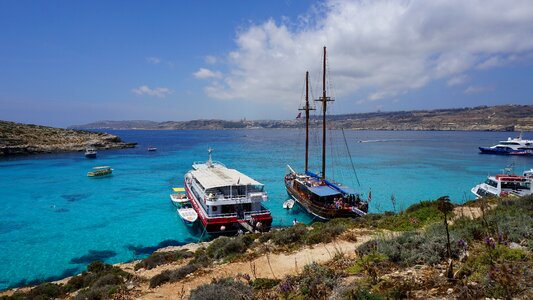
x: 54, y: 220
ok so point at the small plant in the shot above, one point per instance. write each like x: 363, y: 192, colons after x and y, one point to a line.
x: 369, y: 264
x: 317, y: 281
x: 446, y: 207
x: 161, y: 258
x: 224, y: 288
x: 264, y: 283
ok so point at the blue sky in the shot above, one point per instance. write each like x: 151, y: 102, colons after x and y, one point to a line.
x: 73, y: 62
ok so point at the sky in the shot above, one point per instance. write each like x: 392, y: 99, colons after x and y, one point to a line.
x: 73, y: 62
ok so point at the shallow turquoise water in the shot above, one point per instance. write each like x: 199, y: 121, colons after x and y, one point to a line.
x: 54, y: 220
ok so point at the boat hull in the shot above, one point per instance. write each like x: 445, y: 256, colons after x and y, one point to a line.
x: 499, y: 151
x: 317, y: 210
x: 229, y: 224
x: 90, y: 155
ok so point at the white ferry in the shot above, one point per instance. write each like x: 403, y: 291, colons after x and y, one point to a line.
x: 226, y: 200
x: 502, y: 185
x: 512, y: 146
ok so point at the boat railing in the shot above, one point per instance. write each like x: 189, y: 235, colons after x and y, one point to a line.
x: 247, y: 214
x: 197, y: 164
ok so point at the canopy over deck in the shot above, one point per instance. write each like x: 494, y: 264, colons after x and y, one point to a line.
x: 219, y: 176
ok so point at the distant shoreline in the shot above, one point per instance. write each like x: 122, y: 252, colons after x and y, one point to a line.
x: 484, y: 118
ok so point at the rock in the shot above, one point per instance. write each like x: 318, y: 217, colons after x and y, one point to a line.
x: 449, y: 291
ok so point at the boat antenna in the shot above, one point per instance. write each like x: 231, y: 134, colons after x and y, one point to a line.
x: 324, y: 99
x: 210, y: 161
x: 306, y: 108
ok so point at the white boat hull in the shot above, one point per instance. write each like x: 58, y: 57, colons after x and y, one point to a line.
x: 288, y: 204
x: 188, y: 215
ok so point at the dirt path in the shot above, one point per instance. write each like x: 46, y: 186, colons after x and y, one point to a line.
x: 266, y: 266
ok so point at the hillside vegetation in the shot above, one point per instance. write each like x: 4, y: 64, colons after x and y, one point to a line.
x: 482, y: 250
x: 493, y: 118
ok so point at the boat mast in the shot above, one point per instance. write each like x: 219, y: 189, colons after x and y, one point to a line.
x: 324, y: 100
x: 306, y: 108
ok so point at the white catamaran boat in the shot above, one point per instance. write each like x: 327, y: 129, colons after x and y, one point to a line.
x: 502, y: 185
x: 226, y: 199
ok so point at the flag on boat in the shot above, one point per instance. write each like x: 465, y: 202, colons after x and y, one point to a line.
x: 299, y: 115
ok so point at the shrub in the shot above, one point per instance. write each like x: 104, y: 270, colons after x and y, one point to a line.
x: 107, y: 279
x: 265, y: 237
x: 98, y: 266
x: 226, y: 288
x: 225, y: 246
x: 317, y: 281
x: 161, y: 258
x: 289, y: 236
x: 172, y: 275
x: 44, y: 291
x: 324, y: 232
x: 264, y: 283
x: 98, y: 293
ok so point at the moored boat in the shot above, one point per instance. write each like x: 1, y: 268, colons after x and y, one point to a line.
x: 512, y: 146
x: 179, y: 196
x: 226, y: 200
x: 100, y: 171
x: 90, y: 152
x: 506, y: 184
x: 323, y: 198
x: 187, y: 214
x: 288, y: 204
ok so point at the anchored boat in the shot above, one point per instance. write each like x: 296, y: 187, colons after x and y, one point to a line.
x: 101, y: 171
x: 323, y: 198
x: 512, y: 146
x: 226, y: 199
x: 90, y: 152
x: 502, y: 185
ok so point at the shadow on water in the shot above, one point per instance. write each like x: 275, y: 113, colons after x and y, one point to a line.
x: 74, y: 197
x: 26, y: 282
x: 147, y: 250
x: 93, y: 255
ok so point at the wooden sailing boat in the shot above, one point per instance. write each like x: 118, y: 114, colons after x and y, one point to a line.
x: 320, y: 197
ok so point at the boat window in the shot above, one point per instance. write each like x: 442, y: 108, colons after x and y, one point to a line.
x: 510, y: 143
x: 214, y: 208
x: 492, y: 183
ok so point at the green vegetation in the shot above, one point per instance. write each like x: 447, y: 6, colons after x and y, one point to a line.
x: 101, y: 281
x: 161, y: 258
x: 224, y: 288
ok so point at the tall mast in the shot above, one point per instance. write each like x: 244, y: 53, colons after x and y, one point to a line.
x: 306, y: 108
x: 324, y: 100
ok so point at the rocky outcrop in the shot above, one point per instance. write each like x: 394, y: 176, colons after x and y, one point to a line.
x: 17, y: 139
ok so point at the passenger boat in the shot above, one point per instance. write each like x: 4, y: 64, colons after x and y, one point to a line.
x: 100, y: 171
x: 226, y: 199
x: 502, y: 185
x: 512, y: 146
x: 90, y: 152
x: 323, y: 198
x: 179, y: 196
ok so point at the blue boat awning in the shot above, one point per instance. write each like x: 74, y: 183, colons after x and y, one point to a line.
x: 324, y: 191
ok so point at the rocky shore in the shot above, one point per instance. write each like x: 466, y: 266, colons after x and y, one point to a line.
x: 24, y: 139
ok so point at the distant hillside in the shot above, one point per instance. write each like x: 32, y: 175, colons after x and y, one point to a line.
x: 16, y: 138
x: 493, y: 118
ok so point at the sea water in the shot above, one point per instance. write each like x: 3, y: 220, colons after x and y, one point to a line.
x: 54, y: 220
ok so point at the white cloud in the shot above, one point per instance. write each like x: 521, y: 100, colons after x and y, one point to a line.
x: 376, y: 49
x: 477, y: 89
x: 153, y: 60
x: 457, y: 80
x: 211, y: 60
x: 160, y: 92
x: 206, y: 73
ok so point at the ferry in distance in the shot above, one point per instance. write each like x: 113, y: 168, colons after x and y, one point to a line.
x: 226, y: 200
x: 512, y: 146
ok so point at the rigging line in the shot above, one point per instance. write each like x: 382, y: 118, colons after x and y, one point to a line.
x: 350, y: 155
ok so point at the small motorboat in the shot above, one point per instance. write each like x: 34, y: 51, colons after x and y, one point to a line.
x: 100, y: 171
x: 90, y: 152
x: 151, y: 149
x: 179, y: 197
x: 187, y: 214
x: 288, y: 204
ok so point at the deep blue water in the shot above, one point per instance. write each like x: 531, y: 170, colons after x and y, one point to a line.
x: 54, y: 220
